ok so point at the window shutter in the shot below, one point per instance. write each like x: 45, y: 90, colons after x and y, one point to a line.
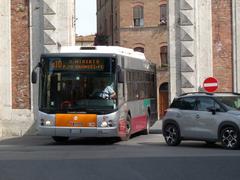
x: 138, y: 12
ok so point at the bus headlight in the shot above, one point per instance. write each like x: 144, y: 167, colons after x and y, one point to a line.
x: 110, y: 123
x: 46, y: 122
x: 104, y: 124
x: 107, y: 124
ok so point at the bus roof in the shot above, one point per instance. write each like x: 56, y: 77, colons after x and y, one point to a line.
x: 103, y: 50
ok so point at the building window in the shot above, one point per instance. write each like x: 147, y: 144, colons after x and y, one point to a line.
x: 163, y: 14
x: 116, y: 20
x: 164, y: 87
x: 106, y: 26
x: 163, y: 55
x: 139, y: 49
x: 138, y: 16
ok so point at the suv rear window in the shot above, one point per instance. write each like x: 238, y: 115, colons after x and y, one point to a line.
x: 230, y: 102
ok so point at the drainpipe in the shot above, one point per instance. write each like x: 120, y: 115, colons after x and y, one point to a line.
x: 112, y: 22
x: 234, y: 46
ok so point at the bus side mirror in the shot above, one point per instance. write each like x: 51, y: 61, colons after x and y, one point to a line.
x: 34, y: 73
x: 34, y: 77
x: 120, y: 74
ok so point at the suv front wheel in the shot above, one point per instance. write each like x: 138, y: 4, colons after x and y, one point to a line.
x: 229, y: 137
x: 171, y: 134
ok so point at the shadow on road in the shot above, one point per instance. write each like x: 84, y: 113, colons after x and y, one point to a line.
x: 43, y: 140
x: 201, y: 145
x: 88, y: 141
x: 186, y: 144
x: 136, y: 139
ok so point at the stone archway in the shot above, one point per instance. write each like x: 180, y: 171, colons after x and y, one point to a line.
x: 163, y: 98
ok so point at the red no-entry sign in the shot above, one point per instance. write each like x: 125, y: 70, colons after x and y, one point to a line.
x: 210, y: 84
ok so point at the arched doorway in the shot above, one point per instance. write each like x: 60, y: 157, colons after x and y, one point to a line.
x: 163, y: 98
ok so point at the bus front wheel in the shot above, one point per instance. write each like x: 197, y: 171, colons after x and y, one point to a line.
x: 128, y: 129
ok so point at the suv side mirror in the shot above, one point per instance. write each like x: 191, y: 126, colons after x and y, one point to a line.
x: 212, y: 109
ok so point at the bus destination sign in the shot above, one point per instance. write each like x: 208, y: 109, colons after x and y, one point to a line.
x: 78, y: 64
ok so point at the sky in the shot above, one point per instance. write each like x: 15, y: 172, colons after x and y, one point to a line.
x: 86, y: 17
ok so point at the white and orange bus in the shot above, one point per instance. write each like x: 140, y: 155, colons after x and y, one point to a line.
x: 69, y: 105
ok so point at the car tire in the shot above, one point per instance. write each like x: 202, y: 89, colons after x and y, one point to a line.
x: 60, y: 139
x: 171, y: 135
x: 229, y: 137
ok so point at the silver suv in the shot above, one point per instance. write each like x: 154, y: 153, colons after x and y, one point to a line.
x: 206, y: 117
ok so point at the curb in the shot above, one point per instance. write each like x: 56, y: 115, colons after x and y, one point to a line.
x: 156, y: 127
x: 155, y: 131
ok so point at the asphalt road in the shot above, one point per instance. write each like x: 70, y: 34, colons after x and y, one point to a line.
x: 140, y: 158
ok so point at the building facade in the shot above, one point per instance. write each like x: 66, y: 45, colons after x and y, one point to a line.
x: 142, y: 26
x: 204, y: 42
x: 85, y: 40
x: 28, y: 28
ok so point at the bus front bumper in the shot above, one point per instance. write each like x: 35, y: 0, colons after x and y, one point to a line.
x: 78, y: 132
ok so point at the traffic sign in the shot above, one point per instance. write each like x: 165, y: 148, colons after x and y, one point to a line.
x: 210, y: 84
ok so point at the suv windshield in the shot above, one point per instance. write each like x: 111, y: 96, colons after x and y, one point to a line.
x: 230, y: 102
x: 79, y: 84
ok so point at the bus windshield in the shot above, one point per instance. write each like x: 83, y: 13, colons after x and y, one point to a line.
x: 77, y: 85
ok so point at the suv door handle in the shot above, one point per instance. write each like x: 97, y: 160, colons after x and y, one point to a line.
x: 197, y: 116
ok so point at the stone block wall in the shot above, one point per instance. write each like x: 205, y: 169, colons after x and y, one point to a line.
x: 22, y: 41
x: 201, y: 44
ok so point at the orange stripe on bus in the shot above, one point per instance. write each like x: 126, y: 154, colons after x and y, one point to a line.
x: 76, y: 120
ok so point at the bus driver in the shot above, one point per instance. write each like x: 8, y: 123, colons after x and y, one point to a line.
x: 105, y: 91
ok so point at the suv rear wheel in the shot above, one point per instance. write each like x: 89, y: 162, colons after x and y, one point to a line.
x: 229, y: 137
x: 171, y: 134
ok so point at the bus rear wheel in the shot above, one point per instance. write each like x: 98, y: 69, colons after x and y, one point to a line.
x: 147, y: 130
x: 60, y: 139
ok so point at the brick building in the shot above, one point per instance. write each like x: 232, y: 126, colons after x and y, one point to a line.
x: 142, y: 26
x: 204, y: 41
x: 85, y: 40
x: 28, y: 28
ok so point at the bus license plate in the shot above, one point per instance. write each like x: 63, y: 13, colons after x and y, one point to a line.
x: 75, y: 131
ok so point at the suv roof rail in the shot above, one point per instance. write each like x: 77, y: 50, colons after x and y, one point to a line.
x: 235, y: 93
x: 196, y: 93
